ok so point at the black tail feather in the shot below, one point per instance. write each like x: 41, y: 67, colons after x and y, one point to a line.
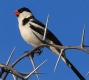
x: 75, y: 70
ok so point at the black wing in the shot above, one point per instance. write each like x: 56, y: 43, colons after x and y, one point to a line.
x: 49, y: 34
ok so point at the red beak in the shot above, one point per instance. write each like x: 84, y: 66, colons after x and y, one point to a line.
x: 17, y: 12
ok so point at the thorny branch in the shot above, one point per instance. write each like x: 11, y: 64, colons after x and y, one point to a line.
x: 16, y: 73
x: 56, y: 46
x: 26, y: 55
x: 10, y: 70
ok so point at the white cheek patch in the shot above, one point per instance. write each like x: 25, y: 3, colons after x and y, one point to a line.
x: 26, y: 14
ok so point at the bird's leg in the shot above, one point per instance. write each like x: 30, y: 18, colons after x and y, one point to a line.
x: 39, y: 51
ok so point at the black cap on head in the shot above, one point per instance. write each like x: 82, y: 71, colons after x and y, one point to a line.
x: 24, y: 9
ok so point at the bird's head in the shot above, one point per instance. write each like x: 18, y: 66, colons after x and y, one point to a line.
x: 23, y: 13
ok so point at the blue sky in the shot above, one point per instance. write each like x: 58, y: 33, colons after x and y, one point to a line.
x: 67, y: 18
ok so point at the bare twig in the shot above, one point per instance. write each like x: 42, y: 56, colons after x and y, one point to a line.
x: 1, y: 73
x: 10, y: 56
x: 5, y: 76
x: 46, y: 28
x: 35, y: 70
x: 46, y: 45
x: 32, y: 61
x: 11, y: 70
x: 68, y: 47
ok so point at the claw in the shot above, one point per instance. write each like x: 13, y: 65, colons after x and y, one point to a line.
x: 39, y: 51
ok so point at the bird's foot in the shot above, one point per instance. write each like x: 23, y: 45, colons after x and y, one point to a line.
x: 39, y: 51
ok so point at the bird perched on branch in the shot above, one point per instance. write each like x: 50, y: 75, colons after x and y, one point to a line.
x: 32, y: 32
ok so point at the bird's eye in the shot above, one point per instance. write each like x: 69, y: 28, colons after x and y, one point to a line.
x: 21, y: 11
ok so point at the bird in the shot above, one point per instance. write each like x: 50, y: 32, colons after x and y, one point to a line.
x: 32, y: 31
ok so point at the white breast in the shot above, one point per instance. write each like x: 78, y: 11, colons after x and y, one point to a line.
x: 28, y: 36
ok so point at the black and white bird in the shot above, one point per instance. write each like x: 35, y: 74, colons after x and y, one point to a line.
x: 32, y: 32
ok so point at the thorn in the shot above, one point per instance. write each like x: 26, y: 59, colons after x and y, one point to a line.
x: 46, y: 28
x: 82, y: 42
x: 87, y: 74
x: 8, y: 61
x: 58, y: 59
x: 35, y: 70
x: 33, y: 64
x: 57, y: 63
